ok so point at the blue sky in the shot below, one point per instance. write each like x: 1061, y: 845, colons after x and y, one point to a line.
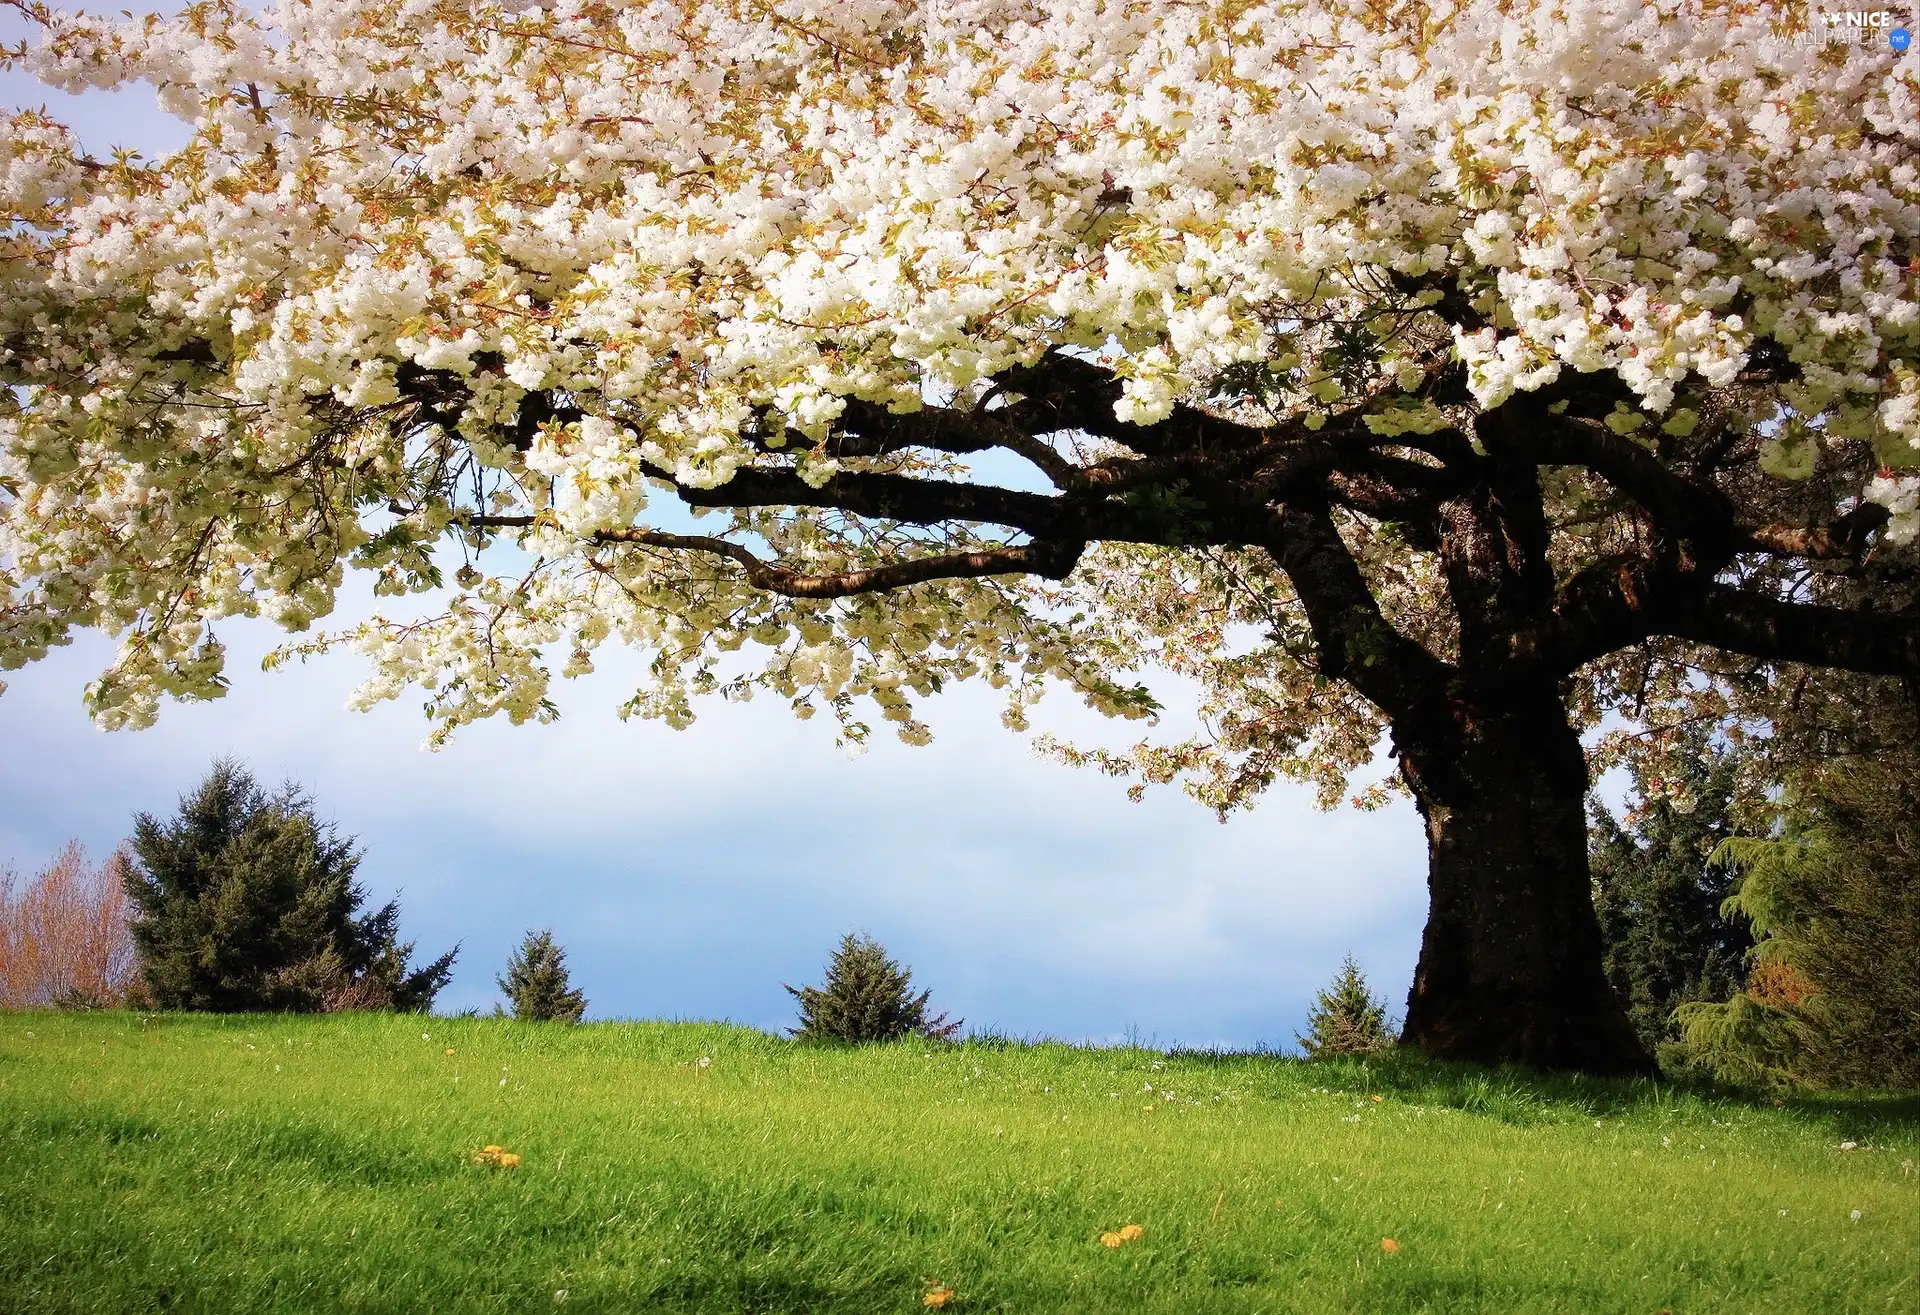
x: 690, y: 873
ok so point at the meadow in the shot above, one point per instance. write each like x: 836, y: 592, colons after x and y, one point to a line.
x: 252, y: 1163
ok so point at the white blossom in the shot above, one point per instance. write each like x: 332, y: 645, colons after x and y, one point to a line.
x: 678, y: 225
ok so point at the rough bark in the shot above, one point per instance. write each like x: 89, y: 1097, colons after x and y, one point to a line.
x: 1510, y: 964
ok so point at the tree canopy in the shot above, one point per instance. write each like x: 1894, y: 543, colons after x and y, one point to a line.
x: 1464, y: 371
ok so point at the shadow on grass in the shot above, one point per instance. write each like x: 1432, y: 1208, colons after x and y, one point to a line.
x: 1515, y: 1095
x: 1854, y: 1114
x: 306, y: 1149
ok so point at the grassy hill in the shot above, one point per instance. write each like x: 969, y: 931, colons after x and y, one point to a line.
x: 321, y: 1164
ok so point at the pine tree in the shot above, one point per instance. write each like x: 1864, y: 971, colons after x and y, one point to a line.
x: 867, y: 997
x: 1658, y: 895
x: 536, y: 983
x: 244, y: 900
x: 1346, y: 1019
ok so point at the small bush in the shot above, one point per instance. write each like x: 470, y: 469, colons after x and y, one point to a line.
x: 867, y: 997
x: 536, y: 983
x: 1346, y: 1019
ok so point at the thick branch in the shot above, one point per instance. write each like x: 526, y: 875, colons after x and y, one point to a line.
x: 1697, y: 514
x: 893, y: 497
x: 1605, y: 606
x: 1844, y: 540
x: 1739, y: 621
x: 1612, y: 604
x: 1082, y: 515
x: 1355, y: 640
x: 1055, y: 561
x: 1064, y: 393
x: 868, y: 429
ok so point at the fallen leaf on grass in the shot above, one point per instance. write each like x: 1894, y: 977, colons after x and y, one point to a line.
x: 938, y: 1295
x: 449, y: 1050
x: 1389, y: 1246
x: 497, y: 1157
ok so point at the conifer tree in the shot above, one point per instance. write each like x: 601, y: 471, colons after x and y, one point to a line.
x: 244, y: 900
x: 1658, y: 895
x: 536, y: 982
x: 1834, y: 896
x: 867, y: 997
x: 1346, y: 1019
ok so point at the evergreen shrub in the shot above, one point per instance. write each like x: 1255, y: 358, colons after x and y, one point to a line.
x: 536, y: 983
x: 867, y: 997
x: 1345, y: 1019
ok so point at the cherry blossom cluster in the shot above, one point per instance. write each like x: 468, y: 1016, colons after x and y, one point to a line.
x: 696, y: 233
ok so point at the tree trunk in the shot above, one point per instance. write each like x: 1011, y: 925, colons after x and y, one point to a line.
x: 1510, y: 965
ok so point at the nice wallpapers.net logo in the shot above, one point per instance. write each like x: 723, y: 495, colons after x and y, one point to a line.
x: 1862, y: 27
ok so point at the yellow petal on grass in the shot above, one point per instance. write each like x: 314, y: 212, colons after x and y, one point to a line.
x: 1389, y: 1246
x: 1376, y: 1099
x: 938, y: 1295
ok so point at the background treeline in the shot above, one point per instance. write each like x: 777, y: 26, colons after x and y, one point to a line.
x: 1759, y: 898
x: 1761, y: 903
x: 243, y: 899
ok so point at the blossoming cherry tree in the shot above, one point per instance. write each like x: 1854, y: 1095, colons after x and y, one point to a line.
x: 1454, y: 372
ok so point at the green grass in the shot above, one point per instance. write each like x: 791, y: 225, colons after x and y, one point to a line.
x: 255, y: 1164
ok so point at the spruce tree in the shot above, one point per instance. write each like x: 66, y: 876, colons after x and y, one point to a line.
x: 536, y: 983
x: 867, y: 997
x: 1346, y: 1019
x: 1658, y: 894
x: 244, y: 900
